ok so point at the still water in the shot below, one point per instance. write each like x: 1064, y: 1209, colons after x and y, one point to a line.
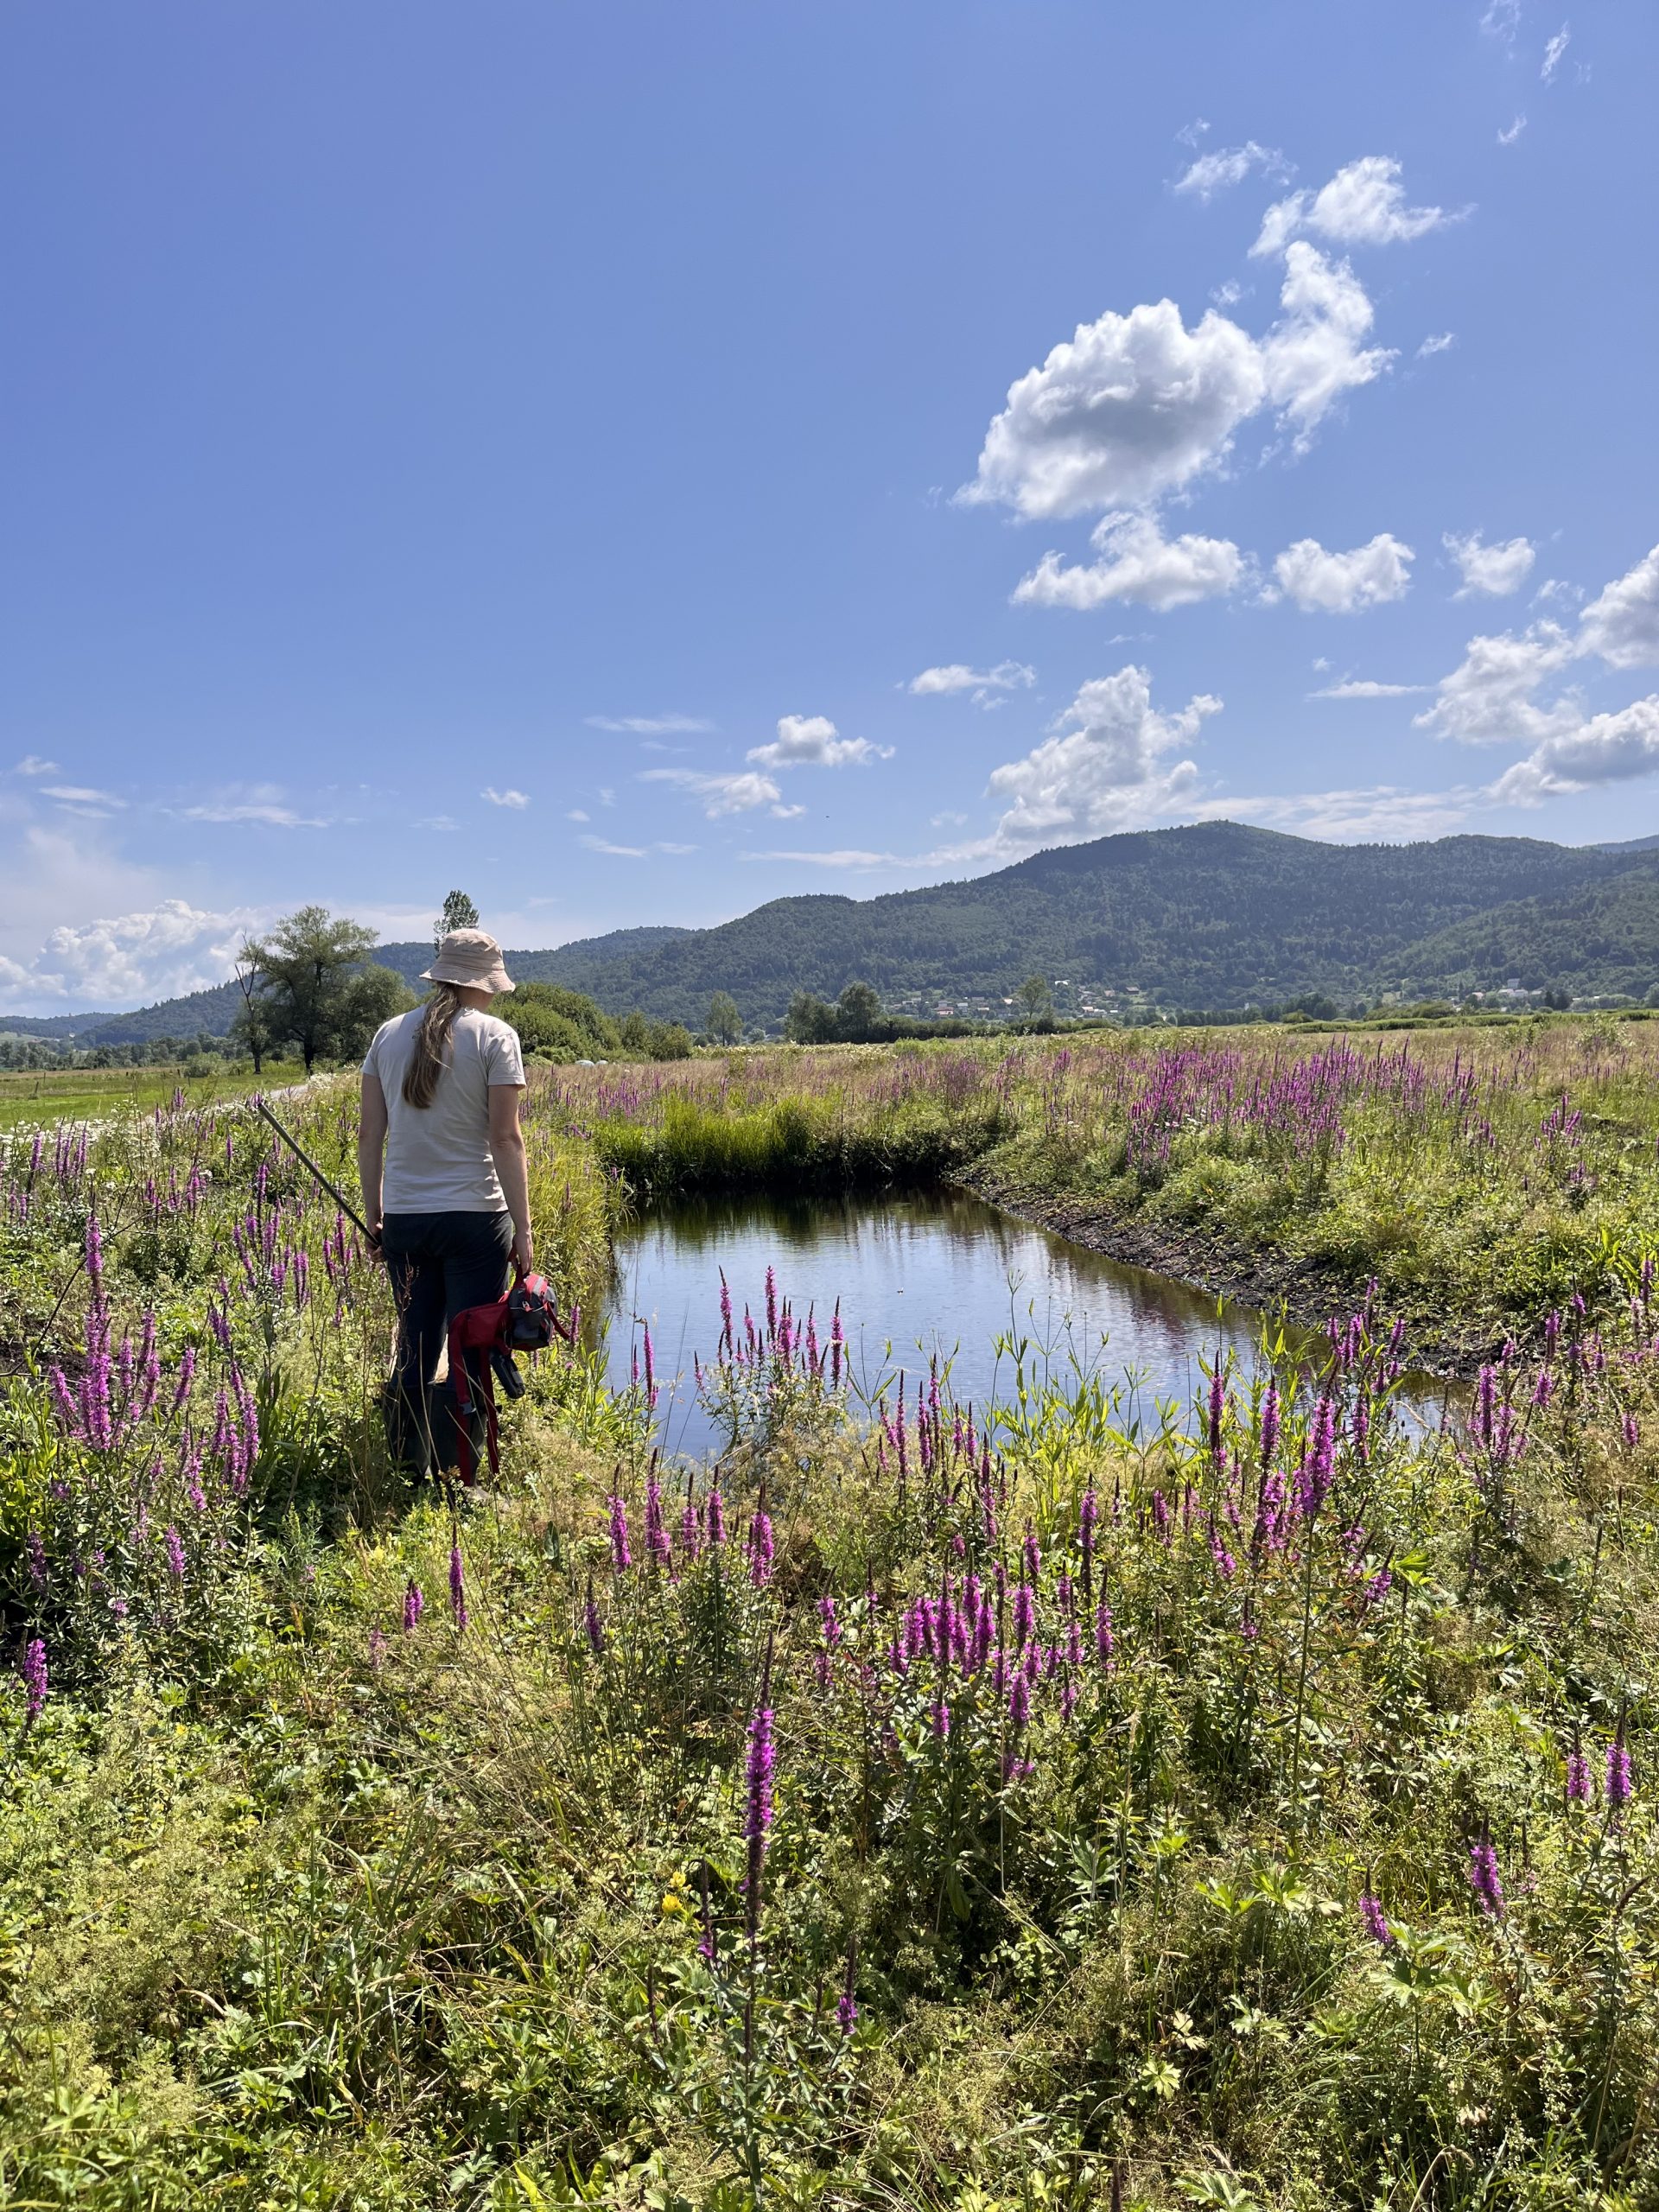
x: 917, y: 1274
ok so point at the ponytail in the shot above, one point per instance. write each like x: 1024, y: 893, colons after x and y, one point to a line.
x: 431, y: 1052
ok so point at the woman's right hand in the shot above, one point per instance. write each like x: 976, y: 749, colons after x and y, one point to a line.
x: 524, y: 1250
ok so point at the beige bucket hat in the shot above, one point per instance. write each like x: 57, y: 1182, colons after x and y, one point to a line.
x: 469, y: 956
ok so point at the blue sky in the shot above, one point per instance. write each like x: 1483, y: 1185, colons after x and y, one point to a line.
x: 635, y: 461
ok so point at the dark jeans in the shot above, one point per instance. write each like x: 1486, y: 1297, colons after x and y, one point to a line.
x: 440, y: 1264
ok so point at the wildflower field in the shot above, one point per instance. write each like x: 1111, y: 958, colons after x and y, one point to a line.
x: 924, y: 1805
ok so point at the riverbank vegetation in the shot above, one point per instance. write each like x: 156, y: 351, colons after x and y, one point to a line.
x: 932, y: 1806
x: 1481, y: 1176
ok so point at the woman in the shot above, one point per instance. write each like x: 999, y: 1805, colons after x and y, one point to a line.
x: 440, y: 1090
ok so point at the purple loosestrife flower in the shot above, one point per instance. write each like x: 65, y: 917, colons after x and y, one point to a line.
x: 1360, y: 1429
x: 651, y: 1369
x: 690, y: 1532
x: 1376, y: 1921
x: 1483, y: 1878
x: 1032, y: 1555
x: 756, y: 1822
x: 1270, y: 1423
x: 621, y: 1557
x: 249, y: 1416
x: 714, y: 1518
x: 1103, y: 1638
x: 772, y: 1303
x: 150, y: 1367
x: 1632, y: 1432
x: 414, y: 1606
x: 1025, y: 1614
x: 941, y: 1718
x: 591, y: 1622
x: 1486, y: 1404
x: 377, y: 1647
x: 35, y: 1553
x: 1019, y: 1703
x: 187, y: 1375
x: 34, y: 1680
x: 846, y: 2012
x: 1578, y: 1775
x: 837, y: 1347
x: 1160, y: 1514
x: 1620, y: 1786
x: 1318, y: 1466
x: 457, y: 1587
x: 174, y: 1547
x: 63, y: 1400
x: 760, y: 1549
x: 657, y: 1545
x: 1217, y: 1408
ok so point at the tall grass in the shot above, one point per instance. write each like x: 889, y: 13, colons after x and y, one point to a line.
x: 1235, y: 1815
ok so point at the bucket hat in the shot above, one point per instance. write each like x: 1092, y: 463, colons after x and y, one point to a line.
x: 469, y: 956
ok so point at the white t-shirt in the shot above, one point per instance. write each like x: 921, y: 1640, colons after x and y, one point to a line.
x: 438, y: 1158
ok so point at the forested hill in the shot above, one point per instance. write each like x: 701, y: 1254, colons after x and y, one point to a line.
x: 1209, y: 916
x: 1217, y: 915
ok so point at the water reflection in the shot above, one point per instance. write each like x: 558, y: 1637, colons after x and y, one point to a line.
x: 917, y: 1274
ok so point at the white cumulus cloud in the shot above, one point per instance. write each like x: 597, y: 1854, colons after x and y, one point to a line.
x: 1491, y: 570
x: 1131, y: 407
x: 1314, y: 354
x: 738, y: 791
x: 1227, y: 166
x: 1602, y: 749
x: 132, y: 959
x: 1138, y: 563
x: 810, y: 741
x: 1554, y: 52
x: 1104, y: 767
x: 1134, y: 406
x: 1489, y: 698
x: 1343, y: 583
x: 1363, y: 203
x: 1621, y: 624
x: 515, y: 800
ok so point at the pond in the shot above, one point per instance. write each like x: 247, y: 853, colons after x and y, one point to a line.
x: 917, y: 1274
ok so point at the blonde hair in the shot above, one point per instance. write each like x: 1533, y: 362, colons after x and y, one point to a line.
x: 431, y: 1053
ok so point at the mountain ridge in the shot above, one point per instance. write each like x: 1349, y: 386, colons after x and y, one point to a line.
x: 1210, y: 916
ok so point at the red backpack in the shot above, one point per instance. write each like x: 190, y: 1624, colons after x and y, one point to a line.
x: 524, y: 1320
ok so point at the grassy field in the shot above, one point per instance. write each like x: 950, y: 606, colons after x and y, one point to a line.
x: 916, y: 1811
x: 39, y: 1097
